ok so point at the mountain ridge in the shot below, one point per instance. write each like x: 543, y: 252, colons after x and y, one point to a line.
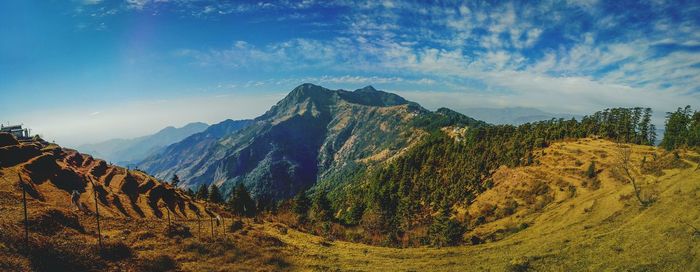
x: 312, y: 133
x: 126, y: 152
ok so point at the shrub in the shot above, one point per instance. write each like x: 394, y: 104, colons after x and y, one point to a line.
x: 160, y: 263
x: 591, y: 172
x: 177, y: 230
x: 518, y: 265
x: 475, y: 240
x: 276, y: 261
x: 50, y: 256
x: 52, y: 221
x: 115, y: 251
x: 236, y: 225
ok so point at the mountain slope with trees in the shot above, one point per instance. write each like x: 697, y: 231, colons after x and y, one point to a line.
x: 313, y: 133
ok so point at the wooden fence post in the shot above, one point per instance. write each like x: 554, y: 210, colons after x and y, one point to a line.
x: 167, y: 209
x: 97, y: 214
x: 211, y: 220
x: 26, y: 219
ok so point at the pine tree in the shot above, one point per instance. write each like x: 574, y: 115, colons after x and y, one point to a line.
x: 215, y: 194
x: 444, y: 231
x: 301, y: 204
x: 321, y: 207
x: 240, y: 202
x: 202, y: 192
x: 175, y: 180
x: 677, y: 129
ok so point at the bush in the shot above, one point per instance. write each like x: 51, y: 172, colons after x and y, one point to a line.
x: 160, y: 263
x: 50, y: 256
x: 591, y: 172
x: 115, y: 251
x: 236, y: 225
x: 177, y: 230
x: 52, y: 221
x: 276, y: 261
x: 518, y: 265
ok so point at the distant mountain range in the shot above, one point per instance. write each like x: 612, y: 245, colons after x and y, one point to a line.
x: 127, y: 152
x: 513, y: 115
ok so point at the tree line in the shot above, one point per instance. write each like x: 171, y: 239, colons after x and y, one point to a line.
x: 682, y: 129
x: 443, y: 170
x: 420, y: 187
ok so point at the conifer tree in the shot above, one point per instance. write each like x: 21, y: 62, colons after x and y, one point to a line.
x: 175, y: 180
x: 240, y: 202
x: 301, y: 204
x: 321, y: 207
x: 215, y: 194
x: 677, y: 124
x: 202, y: 192
x: 444, y: 231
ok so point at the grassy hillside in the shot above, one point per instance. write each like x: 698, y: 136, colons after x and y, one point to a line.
x: 562, y: 220
x: 597, y: 227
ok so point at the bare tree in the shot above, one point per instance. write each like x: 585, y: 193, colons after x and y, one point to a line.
x: 624, y: 163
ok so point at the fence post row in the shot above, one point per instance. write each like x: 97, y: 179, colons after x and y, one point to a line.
x: 97, y: 216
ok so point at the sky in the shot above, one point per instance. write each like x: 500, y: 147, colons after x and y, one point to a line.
x: 83, y: 71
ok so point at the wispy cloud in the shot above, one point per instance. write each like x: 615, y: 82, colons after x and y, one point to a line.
x: 566, y: 56
x: 582, y: 53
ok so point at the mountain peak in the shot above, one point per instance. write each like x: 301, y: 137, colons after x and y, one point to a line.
x: 367, y: 88
x: 307, y: 90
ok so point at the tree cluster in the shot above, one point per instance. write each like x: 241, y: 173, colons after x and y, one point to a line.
x: 682, y: 129
x: 241, y: 203
x: 442, y: 171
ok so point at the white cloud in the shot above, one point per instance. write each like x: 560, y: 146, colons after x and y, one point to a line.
x: 485, y: 45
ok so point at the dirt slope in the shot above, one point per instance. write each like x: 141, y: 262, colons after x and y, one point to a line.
x: 52, y: 173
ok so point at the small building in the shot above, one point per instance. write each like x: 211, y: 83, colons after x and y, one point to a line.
x: 17, y: 131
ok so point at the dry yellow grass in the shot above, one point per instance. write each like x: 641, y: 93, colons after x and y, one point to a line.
x: 595, y: 229
x: 591, y: 229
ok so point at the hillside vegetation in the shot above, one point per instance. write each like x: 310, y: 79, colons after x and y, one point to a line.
x: 562, y: 219
x: 547, y: 216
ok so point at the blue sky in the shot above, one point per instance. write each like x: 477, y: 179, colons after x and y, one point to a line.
x: 83, y: 71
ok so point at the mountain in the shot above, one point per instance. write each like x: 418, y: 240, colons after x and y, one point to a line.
x: 190, y: 150
x: 312, y: 135
x: 512, y: 115
x: 129, y: 151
